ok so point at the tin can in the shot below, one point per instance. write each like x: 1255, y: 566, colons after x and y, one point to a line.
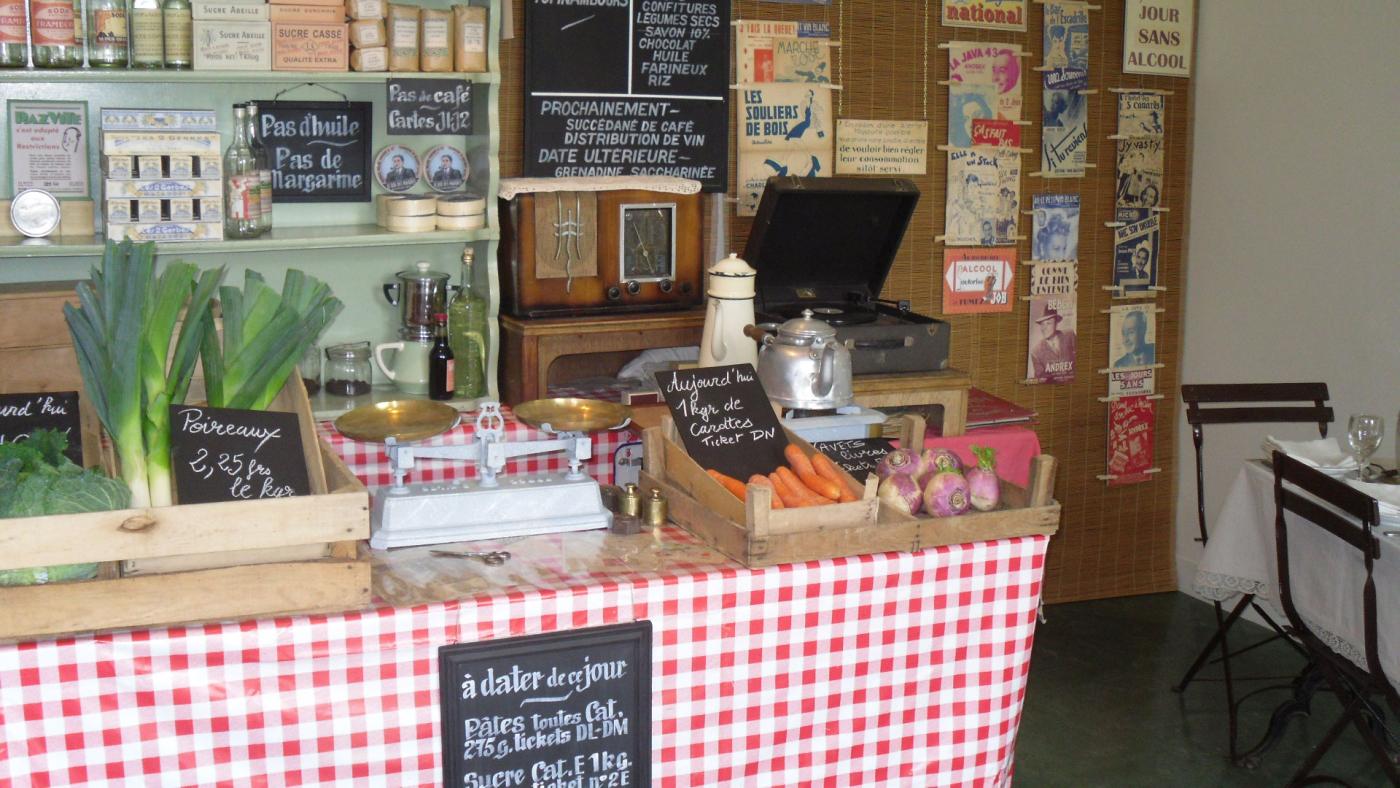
x: 654, y: 509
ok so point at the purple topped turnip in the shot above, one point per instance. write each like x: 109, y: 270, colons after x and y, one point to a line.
x: 946, y: 494
x: 901, y: 493
x: 938, y: 461
x: 982, y: 483
x: 900, y: 462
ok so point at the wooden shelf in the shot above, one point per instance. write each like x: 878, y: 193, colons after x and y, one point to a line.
x: 158, y: 76
x: 288, y: 238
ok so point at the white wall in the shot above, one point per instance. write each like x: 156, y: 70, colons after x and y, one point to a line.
x: 1293, y: 271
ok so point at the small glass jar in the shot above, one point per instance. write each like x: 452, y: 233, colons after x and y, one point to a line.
x: 310, y: 367
x: 347, y: 371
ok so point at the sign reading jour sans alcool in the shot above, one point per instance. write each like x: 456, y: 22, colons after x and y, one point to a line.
x: 1157, y: 37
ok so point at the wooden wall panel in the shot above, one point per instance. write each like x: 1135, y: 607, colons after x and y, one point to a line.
x: 1113, y: 541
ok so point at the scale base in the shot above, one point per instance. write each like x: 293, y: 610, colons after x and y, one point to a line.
x: 464, y: 511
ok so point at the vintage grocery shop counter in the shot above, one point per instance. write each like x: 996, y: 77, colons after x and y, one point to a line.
x: 893, y: 669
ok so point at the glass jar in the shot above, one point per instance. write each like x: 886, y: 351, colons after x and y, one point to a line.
x: 310, y: 368
x: 347, y: 371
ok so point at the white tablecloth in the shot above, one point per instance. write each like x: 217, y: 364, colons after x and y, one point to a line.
x: 1327, y: 574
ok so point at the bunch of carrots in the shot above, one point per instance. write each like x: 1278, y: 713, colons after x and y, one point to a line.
x: 804, y: 481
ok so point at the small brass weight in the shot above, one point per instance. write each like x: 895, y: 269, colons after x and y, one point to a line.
x: 654, y: 509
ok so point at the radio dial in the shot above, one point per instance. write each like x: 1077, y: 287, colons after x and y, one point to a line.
x: 634, y: 287
x: 614, y: 293
x: 666, y: 285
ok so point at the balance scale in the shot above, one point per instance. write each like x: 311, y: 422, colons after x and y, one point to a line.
x: 490, y: 506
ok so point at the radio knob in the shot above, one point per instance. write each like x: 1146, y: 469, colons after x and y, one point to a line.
x: 634, y: 287
x: 665, y: 285
x: 614, y: 293
x: 686, y: 288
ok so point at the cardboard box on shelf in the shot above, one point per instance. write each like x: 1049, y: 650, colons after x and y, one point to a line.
x: 376, y: 59
x: 158, y: 143
x: 227, y: 11
x: 232, y: 46
x: 148, y: 168
x: 167, y: 231
x: 139, y: 119
x: 368, y: 33
x: 297, y: 47
x: 307, y: 14
x: 167, y: 189
x: 364, y: 9
x: 119, y: 168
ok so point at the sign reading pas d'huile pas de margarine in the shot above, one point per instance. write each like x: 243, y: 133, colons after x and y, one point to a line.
x: 48, y: 147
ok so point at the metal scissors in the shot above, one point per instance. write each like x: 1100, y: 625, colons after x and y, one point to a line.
x: 492, y: 558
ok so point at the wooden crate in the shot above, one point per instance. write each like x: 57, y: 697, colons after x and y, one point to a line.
x: 251, y: 555
x: 750, y: 531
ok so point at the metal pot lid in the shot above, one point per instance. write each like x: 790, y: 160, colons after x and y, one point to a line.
x: 422, y: 272
x: 733, y: 265
x: 805, y: 330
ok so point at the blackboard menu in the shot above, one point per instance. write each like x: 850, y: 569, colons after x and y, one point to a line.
x: 319, y: 151
x: 725, y: 419
x: 219, y: 454
x: 21, y: 414
x: 429, y: 106
x: 627, y: 87
x: 562, y: 709
x: 859, y: 457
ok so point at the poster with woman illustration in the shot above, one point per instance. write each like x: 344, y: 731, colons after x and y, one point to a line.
x: 1139, y: 172
x: 1066, y: 40
x: 997, y: 65
x: 784, y: 129
x: 984, y: 197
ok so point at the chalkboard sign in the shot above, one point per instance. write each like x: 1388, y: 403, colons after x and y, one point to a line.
x: 635, y: 87
x: 724, y: 419
x: 21, y: 414
x: 858, y: 457
x: 219, y: 454
x: 320, y: 151
x: 563, y: 709
x: 429, y: 106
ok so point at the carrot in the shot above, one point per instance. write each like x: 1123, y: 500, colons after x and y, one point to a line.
x: 730, y: 483
x: 807, y: 494
x: 763, y: 481
x: 790, y: 499
x: 827, y: 469
x: 803, y: 468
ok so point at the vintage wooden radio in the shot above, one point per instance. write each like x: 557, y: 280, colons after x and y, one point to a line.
x: 587, y: 246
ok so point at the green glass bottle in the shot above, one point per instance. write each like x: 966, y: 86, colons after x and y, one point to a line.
x: 108, y: 34
x: 466, y: 321
x: 147, y: 34
x: 178, y: 34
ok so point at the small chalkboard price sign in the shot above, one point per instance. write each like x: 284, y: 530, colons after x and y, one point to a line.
x: 725, y: 419
x: 219, y: 454
x: 21, y: 414
x: 320, y: 151
x: 429, y: 106
x: 566, y: 708
x: 859, y: 457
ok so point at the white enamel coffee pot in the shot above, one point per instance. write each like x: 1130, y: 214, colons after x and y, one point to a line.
x: 730, y: 288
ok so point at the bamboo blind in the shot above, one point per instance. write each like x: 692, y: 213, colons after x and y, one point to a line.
x: 1112, y: 541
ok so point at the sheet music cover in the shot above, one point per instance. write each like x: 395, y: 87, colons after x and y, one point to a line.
x: 984, y: 197
x: 1066, y: 40
x: 1141, y: 114
x: 978, y: 280
x: 1064, y: 129
x: 1052, y: 341
x: 1131, y: 429
x: 1132, y: 336
x: 999, y: 133
x: 755, y: 168
x: 802, y: 60
x: 1139, y: 172
x: 753, y: 45
x: 1055, y: 278
x: 1135, y: 248
x: 1055, y: 231
x: 998, y: 65
x: 968, y: 104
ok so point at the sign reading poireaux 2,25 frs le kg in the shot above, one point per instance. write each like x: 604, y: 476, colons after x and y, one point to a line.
x: 627, y: 87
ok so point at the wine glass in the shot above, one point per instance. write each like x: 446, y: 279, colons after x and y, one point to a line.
x: 1364, y: 434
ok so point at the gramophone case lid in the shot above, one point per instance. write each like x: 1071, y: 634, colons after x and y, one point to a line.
x: 823, y: 239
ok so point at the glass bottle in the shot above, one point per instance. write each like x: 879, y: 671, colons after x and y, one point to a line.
x: 466, y: 318
x: 179, y: 36
x: 14, y: 41
x: 51, y: 23
x: 241, y: 205
x: 147, y: 34
x: 440, y: 363
x: 107, y: 34
x: 264, y: 171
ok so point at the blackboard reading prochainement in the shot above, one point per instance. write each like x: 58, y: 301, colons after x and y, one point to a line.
x: 725, y: 419
x: 858, y: 456
x: 562, y: 709
x: 220, y: 454
x: 21, y: 414
x: 627, y: 87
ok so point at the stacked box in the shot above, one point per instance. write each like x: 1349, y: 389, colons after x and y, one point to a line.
x: 222, y: 45
x: 369, y: 35
x: 162, y: 174
x: 302, y: 47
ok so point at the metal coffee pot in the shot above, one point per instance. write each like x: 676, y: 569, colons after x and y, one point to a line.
x: 804, y: 366
x: 420, y: 293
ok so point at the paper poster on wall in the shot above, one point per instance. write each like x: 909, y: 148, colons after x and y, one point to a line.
x: 753, y: 45
x: 984, y: 197
x: 1131, y: 429
x: 978, y: 280
x: 1064, y: 148
x: 1131, y: 381
x: 1139, y: 172
x: 998, y: 65
x: 1132, y: 336
x: 48, y: 145
x: 802, y: 60
x: 968, y: 104
x: 1135, y: 250
x: 1052, y: 342
x: 881, y: 147
x: 987, y: 14
x: 1000, y: 133
x: 1057, y: 278
x: 1157, y: 37
x: 756, y: 168
x: 1066, y: 41
x: 1141, y: 114
x: 784, y: 117
x: 1055, y: 227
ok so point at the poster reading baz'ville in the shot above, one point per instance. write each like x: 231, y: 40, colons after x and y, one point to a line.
x: 48, y: 146
x: 784, y: 129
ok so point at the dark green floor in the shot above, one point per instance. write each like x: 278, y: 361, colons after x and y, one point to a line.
x: 1099, y: 708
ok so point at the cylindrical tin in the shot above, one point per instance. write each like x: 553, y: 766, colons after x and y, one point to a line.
x: 654, y: 509
x: 631, y: 501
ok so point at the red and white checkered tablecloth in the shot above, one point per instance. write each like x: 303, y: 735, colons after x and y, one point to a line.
x: 893, y: 670
x: 368, y: 461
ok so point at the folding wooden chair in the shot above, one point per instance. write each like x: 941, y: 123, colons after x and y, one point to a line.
x: 1351, y: 516
x: 1242, y: 403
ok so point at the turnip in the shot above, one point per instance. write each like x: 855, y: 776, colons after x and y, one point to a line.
x: 900, y: 462
x: 936, y: 461
x: 983, y: 487
x: 946, y: 494
x: 901, y: 493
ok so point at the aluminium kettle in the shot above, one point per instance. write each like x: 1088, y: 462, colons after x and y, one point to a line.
x: 804, y: 367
